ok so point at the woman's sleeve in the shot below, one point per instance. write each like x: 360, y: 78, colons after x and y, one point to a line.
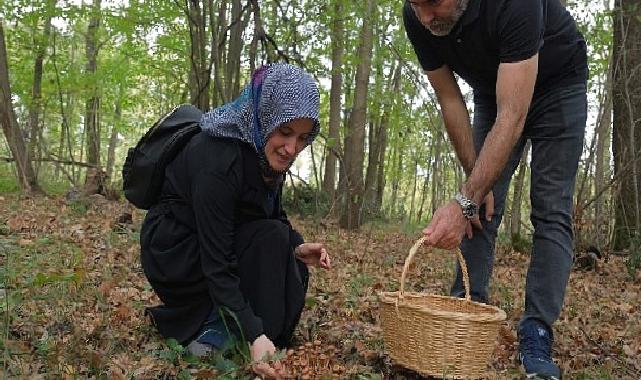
x: 214, y: 194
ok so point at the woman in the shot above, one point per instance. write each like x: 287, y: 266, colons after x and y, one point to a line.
x: 221, y: 245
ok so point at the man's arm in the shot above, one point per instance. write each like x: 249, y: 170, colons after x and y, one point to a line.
x: 514, y: 89
x: 455, y: 115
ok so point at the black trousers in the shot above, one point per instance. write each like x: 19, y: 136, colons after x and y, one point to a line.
x: 272, y: 280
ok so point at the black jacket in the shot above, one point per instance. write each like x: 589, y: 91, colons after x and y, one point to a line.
x: 213, y: 186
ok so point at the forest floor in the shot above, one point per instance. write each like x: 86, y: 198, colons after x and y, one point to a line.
x: 73, y: 296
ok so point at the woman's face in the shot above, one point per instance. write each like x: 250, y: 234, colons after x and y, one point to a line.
x: 284, y: 144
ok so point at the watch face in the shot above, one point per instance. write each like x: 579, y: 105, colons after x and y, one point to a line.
x: 470, y: 210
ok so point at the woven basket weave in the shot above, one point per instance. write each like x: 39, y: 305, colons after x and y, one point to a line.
x: 446, y: 337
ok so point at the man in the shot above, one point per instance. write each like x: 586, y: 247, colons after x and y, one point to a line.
x: 527, y: 65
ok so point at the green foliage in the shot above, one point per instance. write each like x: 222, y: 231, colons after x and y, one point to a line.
x: 356, y: 288
x: 305, y: 200
x: 229, y: 361
x: 8, y: 183
x: 522, y: 244
x: 78, y: 207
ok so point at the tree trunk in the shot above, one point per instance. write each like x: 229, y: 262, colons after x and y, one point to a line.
x: 113, y: 141
x: 424, y: 188
x: 355, y: 137
x: 382, y: 139
x: 379, y: 86
x: 627, y: 122
x: 217, y: 53
x: 199, y: 67
x: 436, y: 173
x: 259, y: 35
x: 40, y: 42
x: 333, y: 143
x: 601, y: 211
x: 232, y: 73
x: 517, y: 197
x: 26, y: 176
x: 92, y: 127
x: 65, y: 138
x: 414, y: 185
x: 396, y: 180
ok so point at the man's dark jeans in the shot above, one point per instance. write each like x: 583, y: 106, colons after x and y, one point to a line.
x: 555, y: 125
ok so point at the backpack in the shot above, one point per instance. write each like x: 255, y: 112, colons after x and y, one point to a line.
x: 144, y: 170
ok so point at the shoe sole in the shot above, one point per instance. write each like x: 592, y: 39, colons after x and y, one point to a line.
x: 535, y: 376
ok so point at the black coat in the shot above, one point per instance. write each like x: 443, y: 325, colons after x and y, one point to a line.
x: 213, y: 187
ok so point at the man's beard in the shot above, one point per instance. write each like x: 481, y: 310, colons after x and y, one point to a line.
x: 443, y: 26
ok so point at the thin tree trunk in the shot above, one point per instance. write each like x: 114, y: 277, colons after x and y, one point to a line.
x: 113, y: 141
x: 199, y: 73
x: 65, y: 134
x: 234, y: 51
x: 517, y: 197
x: 340, y: 195
x: 92, y: 128
x: 373, y: 133
x: 36, y: 90
x: 414, y: 185
x: 61, y: 151
x: 382, y: 139
x: 627, y: 121
x: 602, y: 163
x: 436, y: 175
x: 351, y: 217
x: 424, y: 188
x: 218, y: 41
x: 333, y: 141
x: 259, y: 35
x: 396, y: 180
x: 26, y: 176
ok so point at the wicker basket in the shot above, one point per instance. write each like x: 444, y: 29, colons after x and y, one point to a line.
x: 440, y: 336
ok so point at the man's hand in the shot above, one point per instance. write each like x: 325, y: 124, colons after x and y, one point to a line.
x: 488, y: 201
x: 313, y: 254
x: 261, y: 351
x: 447, y: 227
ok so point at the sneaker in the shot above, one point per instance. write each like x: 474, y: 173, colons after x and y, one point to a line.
x: 198, y: 349
x: 535, y: 351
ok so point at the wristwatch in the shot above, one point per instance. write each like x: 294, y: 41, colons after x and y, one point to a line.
x: 470, y: 209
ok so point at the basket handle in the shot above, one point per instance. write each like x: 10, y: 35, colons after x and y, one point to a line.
x: 459, y: 256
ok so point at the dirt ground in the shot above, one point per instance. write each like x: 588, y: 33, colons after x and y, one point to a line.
x: 73, y: 298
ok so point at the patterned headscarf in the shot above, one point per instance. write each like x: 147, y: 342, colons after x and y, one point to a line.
x: 278, y: 93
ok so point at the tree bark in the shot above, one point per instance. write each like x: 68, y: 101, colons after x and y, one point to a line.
x: 113, y: 141
x: 627, y: 122
x: 41, y: 43
x: 382, y: 139
x: 199, y: 67
x: 92, y: 127
x: 335, y: 107
x: 601, y: 169
x: 517, y: 197
x: 232, y: 72
x: 436, y: 173
x: 355, y: 138
x: 218, y: 40
x: 397, y: 158
x: 27, y: 179
x: 414, y: 186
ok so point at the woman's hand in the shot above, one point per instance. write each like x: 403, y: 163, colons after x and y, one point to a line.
x: 313, y: 254
x: 262, y: 350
